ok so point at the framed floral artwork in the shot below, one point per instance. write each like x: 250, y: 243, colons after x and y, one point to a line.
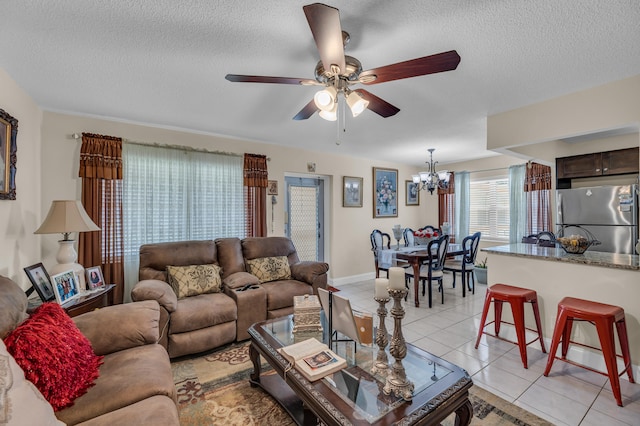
x: 385, y: 192
x: 412, y: 195
x: 351, y: 191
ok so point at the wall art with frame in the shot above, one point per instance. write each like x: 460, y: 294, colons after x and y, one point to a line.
x: 8, y: 155
x: 95, y: 279
x: 385, y: 192
x: 351, y: 191
x: 412, y: 195
x: 65, y: 286
x: 41, y: 281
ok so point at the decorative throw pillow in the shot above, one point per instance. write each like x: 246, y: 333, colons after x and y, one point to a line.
x: 20, y: 402
x: 194, y: 279
x: 270, y: 268
x: 54, y: 355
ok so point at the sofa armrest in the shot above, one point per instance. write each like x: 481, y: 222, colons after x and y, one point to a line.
x: 156, y: 290
x: 120, y: 327
x: 312, y: 273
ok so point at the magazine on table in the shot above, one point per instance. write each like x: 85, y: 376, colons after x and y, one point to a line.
x: 313, y: 359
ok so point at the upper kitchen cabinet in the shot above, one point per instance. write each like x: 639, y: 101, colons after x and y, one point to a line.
x: 621, y: 161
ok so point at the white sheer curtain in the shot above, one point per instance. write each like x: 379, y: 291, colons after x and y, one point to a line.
x: 175, y: 195
x: 517, y: 204
x: 462, y: 203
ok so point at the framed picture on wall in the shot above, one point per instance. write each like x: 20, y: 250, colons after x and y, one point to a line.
x: 272, y: 187
x: 385, y: 192
x: 41, y: 281
x: 8, y: 148
x: 351, y: 191
x: 412, y: 195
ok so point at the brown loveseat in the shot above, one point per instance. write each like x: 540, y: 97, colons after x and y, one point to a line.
x: 206, y: 321
x: 135, y: 385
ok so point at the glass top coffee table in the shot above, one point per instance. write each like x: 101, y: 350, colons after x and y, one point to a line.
x: 354, y: 395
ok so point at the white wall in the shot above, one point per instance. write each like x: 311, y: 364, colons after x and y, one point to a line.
x: 20, y: 217
x: 350, y: 254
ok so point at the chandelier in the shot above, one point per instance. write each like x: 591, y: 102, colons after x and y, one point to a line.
x: 431, y: 179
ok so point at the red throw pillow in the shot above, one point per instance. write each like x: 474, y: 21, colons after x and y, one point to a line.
x: 54, y: 355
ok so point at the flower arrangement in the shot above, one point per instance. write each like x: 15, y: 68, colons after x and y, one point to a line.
x: 482, y: 264
x: 423, y: 237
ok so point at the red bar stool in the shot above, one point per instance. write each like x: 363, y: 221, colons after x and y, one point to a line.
x: 516, y: 296
x: 603, y: 317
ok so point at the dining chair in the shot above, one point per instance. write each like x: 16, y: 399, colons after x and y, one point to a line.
x: 546, y: 239
x: 408, y: 237
x: 379, y: 241
x: 432, y: 270
x: 465, y: 265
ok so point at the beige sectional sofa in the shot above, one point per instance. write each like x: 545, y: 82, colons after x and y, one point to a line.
x: 205, y: 321
x: 135, y: 383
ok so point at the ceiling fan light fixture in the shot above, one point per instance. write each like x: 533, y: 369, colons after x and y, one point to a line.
x: 330, y: 115
x: 325, y: 99
x: 356, y: 103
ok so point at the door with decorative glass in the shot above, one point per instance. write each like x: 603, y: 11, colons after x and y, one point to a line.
x: 304, y: 216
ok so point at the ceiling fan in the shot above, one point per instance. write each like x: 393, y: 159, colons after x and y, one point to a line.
x: 337, y: 71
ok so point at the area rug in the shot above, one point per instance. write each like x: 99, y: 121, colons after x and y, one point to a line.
x: 213, y: 389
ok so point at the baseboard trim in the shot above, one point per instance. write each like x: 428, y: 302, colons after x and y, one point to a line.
x: 337, y: 282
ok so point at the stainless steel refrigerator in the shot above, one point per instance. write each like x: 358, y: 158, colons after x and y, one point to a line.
x: 610, y: 213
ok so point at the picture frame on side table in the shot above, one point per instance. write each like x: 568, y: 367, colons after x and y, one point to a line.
x: 8, y: 155
x: 412, y: 197
x: 41, y: 281
x: 65, y: 286
x: 385, y: 192
x: 351, y: 191
x: 95, y: 279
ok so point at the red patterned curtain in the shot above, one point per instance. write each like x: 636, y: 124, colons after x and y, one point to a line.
x: 446, y: 204
x: 255, y: 194
x: 101, y: 173
x: 537, y: 185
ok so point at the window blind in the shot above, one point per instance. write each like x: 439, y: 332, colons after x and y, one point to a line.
x: 489, y: 208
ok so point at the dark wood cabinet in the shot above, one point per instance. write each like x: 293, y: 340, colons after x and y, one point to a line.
x: 607, y: 163
x: 620, y: 161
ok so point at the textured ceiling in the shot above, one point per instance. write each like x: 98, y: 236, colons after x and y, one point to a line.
x: 163, y: 62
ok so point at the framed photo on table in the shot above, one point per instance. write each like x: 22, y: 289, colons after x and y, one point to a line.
x: 41, y: 281
x: 351, y: 191
x: 385, y: 192
x: 94, y: 277
x: 65, y: 286
x: 412, y: 197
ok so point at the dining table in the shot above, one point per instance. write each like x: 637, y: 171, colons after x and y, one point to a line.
x: 416, y: 256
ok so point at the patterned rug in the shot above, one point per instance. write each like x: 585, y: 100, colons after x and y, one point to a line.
x: 213, y: 389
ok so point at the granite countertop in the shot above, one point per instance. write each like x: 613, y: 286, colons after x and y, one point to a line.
x: 593, y: 258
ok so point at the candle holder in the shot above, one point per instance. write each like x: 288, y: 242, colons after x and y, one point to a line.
x: 397, y: 234
x: 397, y: 382
x: 381, y: 365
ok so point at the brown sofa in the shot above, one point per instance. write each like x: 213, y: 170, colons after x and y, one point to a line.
x: 135, y: 385
x: 206, y: 321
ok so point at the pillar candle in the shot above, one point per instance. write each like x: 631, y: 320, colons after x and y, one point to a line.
x: 396, y: 278
x: 381, y: 289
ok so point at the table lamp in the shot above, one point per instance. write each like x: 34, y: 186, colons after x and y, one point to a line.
x: 65, y: 217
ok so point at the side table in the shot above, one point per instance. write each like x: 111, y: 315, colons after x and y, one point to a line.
x: 90, y: 301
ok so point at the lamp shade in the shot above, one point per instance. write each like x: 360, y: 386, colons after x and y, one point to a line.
x: 66, y: 216
x: 356, y: 103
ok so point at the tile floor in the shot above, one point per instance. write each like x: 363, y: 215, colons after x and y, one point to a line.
x: 569, y: 396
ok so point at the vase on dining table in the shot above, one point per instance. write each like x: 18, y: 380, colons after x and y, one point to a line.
x: 397, y: 234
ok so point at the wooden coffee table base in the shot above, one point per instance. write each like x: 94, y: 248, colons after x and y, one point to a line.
x: 308, y: 403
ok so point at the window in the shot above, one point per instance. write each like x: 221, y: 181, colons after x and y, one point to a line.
x: 489, y: 208
x: 176, y: 195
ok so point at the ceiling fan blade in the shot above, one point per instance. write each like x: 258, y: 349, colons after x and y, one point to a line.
x: 306, y: 112
x: 378, y: 105
x: 236, y: 78
x: 445, y: 61
x: 324, y: 22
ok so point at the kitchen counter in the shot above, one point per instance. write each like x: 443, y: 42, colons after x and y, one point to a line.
x: 603, y: 277
x: 590, y: 257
